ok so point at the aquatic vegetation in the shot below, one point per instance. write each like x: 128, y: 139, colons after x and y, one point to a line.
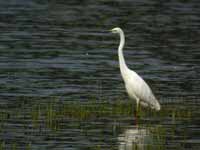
x: 2, y: 145
x: 55, y: 115
x: 55, y: 111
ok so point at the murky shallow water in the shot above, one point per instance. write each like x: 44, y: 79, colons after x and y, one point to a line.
x: 57, y: 58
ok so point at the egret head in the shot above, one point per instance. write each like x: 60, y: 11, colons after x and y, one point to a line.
x: 116, y: 30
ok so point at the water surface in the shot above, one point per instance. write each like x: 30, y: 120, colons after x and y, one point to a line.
x: 56, y: 54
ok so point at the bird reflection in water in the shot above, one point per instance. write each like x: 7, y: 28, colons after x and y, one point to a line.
x: 134, y: 138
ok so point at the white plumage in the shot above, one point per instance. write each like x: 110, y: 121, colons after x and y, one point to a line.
x: 136, y: 87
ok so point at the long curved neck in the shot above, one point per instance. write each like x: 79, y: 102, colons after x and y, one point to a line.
x: 122, y: 63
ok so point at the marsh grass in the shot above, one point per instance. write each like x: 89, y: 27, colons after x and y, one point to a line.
x: 55, y: 111
x: 51, y: 115
x: 2, y: 145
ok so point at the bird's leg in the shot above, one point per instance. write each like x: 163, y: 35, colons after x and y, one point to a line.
x: 138, y: 106
x: 137, y: 111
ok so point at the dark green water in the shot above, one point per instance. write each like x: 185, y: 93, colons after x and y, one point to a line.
x: 60, y: 82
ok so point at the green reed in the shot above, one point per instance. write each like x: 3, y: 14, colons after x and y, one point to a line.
x: 53, y: 112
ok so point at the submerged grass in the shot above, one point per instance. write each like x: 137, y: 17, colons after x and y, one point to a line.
x: 55, y: 111
x: 51, y: 115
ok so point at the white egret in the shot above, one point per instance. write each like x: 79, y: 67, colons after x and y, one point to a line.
x: 136, y: 87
